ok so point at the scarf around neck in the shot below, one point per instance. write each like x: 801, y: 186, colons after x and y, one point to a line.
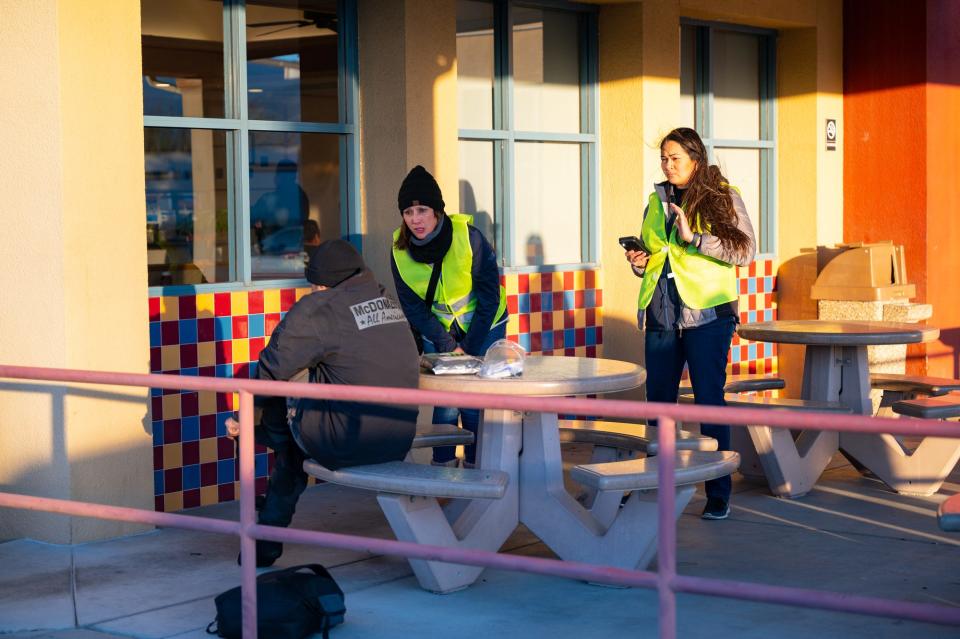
x: 431, y: 249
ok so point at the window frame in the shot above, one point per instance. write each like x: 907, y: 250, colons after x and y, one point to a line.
x: 767, y: 142
x: 503, y: 136
x: 238, y: 127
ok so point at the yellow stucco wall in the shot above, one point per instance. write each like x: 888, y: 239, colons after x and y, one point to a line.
x: 74, y: 281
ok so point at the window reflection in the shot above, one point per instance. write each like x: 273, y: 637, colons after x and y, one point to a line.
x: 292, y: 60
x: 187, y: 227
x: 295, y: 199
x: 475, y: 64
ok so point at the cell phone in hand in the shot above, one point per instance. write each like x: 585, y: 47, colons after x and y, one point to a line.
x: 632, y: 243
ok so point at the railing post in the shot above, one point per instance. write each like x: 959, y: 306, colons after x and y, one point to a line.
x: 666, y: 527
x: 248, y: 545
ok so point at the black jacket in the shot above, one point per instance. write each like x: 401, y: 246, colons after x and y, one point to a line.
x: 350, y: 334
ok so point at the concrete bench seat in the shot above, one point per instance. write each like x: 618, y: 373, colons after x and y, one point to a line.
x: 626, y: 437
x: 948, y: 514
x: 781, y: 403
x: 745, y: 383
x: 912, y: 385
x: 433, y: 435
x: 937, y: 407
x: 405, y: 478
x: 692, y: 467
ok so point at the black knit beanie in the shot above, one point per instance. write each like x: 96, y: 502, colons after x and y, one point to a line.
x: 419, y: 187
x: 332, y: 262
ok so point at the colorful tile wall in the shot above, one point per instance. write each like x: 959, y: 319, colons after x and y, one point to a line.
x: 758, y: 283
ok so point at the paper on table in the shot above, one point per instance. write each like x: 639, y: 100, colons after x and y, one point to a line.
x: 450, y: 364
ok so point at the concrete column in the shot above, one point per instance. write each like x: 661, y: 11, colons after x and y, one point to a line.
x: 73, y: 271
x: 408, y: 111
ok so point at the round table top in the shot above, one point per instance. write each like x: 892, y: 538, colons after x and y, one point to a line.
x: 838, y: 332
x: 547, y: 376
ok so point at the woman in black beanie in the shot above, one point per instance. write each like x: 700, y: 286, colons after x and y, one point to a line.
x: 449, y: 287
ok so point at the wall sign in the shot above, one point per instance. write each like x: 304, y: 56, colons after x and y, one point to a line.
x: 831, y: 131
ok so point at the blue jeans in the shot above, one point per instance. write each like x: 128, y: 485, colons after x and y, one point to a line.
x: 704, y: 349
x: 469, y: 418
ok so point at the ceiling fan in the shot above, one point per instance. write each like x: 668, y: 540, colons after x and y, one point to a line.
x: 310, y: 19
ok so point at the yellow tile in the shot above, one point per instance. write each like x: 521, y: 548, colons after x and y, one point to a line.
x: 209, y: 495
x: 205, y: 305
x: 557, y: 280
x: 207, y: 403
x: 236, y: 401
x: 173, y: 502
x: 169, y: 308
x: 172, y: 456
x: 536, y: 322
x: 557, y: 320
x: 578, y: 280
x: 170, y: 358
x: 580, y: 318
x: 580, y: 351
x: 271, y: 301
x: 206, y: 354
x: 171, y: 406
x: 238, y: 303
x: 301, y: 292
x: 241, y: 351
x: 598, y: 314
x: 208, y: 450
x: 535, y: 283
x: 513, y: 325
x: 511, y: 283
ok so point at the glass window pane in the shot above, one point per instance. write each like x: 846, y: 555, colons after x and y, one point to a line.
x: 187, y: 221
x: 736, y: 86
x: 546, y: 70
x: 688, y: 76
x: 294, y: 196
x: 292, y: 60
x: 182, y: 58
x: 546, y: 228
x: 742, y: 170
x: 474, y: 65
x: 476, y: 186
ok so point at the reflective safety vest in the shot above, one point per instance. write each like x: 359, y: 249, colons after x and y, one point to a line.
x: 702, y: 281
x: 454, y: 300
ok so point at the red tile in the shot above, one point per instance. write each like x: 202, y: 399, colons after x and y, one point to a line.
x: 558, y: 340
x: 558, y: 301
x: 221, y: 304
x: 590, y: 280
x: 154, y: 306
x: 208, y: 474
x: 523, y: 283
x: 534, y: 302
x: 208, y: 426
x: 225, y: 448
x: 768, y: 268
x: 524, y: 323
x: 224, y: 352
x: 569, y: 319
x: 255, y: 302
x: 503, y: 280
x: 158, y: 457
x: 578, y: 299
x: 156, y: 408
x: 208, y: 371
x: 155, y: 360
x: 188, y: 356
x: 191, y: 498
x: 224, y: 402
x: 288, y: 297
x: 158, y: 503
x: 599, y: 335
x: 598, y: 301
x: 169, y: 333
x: 743, y: 286
x: 570, y: 352
x: 591, y: 351
x: 535, y: 343
x: 256, y: 345
x: 568, y: 281
x: 172, y: 480
x: 189, y: 405
x: 514, y: 338
x: 191, y: 453
x: 512, y: 306
x: 261, y: 485
x: 546, y: 321
x: 225, y: 492
x: 187, y: 307
x: 240, y: 325
x: 591, y: 316
x: 205, y: 330
x: 546, y: 281
x: 242, y: 370
x: 171, y: 431
x: 270, y: 321
x: 580, y: 335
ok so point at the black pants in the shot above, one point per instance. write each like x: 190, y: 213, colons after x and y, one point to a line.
x: 704, y: 349
x: 287, y: 481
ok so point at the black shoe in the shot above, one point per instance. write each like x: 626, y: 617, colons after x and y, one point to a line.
x: 267, y: 553
x: 716, y: 508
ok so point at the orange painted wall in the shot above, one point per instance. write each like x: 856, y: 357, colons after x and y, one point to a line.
x: 902, y: 150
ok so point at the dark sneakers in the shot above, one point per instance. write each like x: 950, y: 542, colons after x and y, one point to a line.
x: 267, y: 553
x: 716, y: 508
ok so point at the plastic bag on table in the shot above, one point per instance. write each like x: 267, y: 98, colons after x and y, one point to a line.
x: 503, y: 359
x: 450, y: 364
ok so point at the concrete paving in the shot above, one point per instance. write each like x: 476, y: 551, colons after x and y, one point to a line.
x: 850, y: 535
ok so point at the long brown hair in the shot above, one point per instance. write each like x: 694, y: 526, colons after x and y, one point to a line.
x: 708, y: 195
x: 403, y: 240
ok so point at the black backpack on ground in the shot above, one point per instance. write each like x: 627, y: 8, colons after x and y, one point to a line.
x: 291, y: 603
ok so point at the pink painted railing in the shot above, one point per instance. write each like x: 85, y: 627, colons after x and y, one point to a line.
x: 666, y: 580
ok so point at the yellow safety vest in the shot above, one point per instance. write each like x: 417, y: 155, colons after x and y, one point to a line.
x: 454, y: 300
x: 702, y: 281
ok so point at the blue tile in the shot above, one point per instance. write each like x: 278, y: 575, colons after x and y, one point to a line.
x: 155, y: 338
x: 525, y: 341
x: 751, y: 316
x: 569, y: 338
x: 222, y: 328
x: 260, y: 464
x: 190, y: 429
x: 591, y: 336
x: 255, y: 325
x: 752, y: 352
x: 569, y: 301
x: 751, y: 285
x: 546, y: 301
x: 590, y: 298
x: 546, y: 340
x: 188, y: 331
x: 523, y: 302
x: 224, y: 370
x: 157, y: 427
x: 191, y: 476
x: 156, y: 392
x: 225, y: 471
x: 190, y: 372
x: 157, y: 482
x: 253, y: 370
x: 222, y: 423
x: 768, y: 284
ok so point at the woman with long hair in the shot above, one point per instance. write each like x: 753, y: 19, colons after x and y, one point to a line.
x: 695, y: 232
x: 448, y: 284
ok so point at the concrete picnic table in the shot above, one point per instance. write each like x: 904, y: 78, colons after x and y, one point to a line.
x: 836, y: 369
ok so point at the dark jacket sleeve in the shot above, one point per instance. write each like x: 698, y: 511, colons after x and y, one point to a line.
x: 419, y: 317
x: 486, y: 288
x: 299, y: 342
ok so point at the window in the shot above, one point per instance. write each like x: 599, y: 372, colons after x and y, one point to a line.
x: 250, y: 138
x: 728, y: 94
x: 526, y: 84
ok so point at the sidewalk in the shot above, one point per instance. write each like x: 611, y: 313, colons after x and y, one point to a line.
x: 849, y: 535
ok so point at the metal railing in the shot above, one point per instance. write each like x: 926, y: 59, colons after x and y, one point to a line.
x: 666, y: 580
